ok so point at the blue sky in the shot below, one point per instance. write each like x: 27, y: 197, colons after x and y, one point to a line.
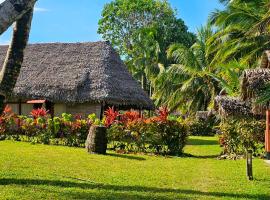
x: 77, y: 20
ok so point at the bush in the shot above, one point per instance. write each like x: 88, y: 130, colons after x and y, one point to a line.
x: 128, y: 131
x: 159, y: 134
x: 239, y: 135
x: 202, y: 127
x: 40, y: 128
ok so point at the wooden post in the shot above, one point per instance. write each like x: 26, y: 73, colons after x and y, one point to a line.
x: 249, y: 165
x: 20, y: 107
x: 267, y: 136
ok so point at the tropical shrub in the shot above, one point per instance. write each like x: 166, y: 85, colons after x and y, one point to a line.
x: 239, y: 135
x: 202, y: 127
x: 128, y: 131
x: 159, y: 134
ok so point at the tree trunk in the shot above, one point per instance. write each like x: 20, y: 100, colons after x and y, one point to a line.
x: 14, y: 59
x: 96, y: 141
x: 13, y: 10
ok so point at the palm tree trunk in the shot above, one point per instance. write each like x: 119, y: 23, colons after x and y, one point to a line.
x: 13, y: 10
x: 14, y: 59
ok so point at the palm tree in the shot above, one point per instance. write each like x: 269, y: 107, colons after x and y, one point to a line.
x: 22, y: 11
x: 238, y: 36
x: 192, y: 82
x: 187, y: 82
x: 12, y: 10
x: 144, y: 57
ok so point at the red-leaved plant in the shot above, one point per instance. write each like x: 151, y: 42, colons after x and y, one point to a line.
x: 110, y: 116
x: 130, y: 116
x: 40, y: 112
x: 163, y: 113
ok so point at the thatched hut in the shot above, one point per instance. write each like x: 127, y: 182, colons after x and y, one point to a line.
x: 233, y: 106
x: 265, y: 60
x: 253, y: 83
x: 77, y: 78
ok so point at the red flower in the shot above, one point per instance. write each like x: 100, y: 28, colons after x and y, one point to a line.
x: 7, y: 109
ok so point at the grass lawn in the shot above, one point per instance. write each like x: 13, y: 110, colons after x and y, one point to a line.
x: 53, y: 172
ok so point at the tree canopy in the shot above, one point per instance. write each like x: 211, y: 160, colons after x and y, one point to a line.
x: 142, y: 31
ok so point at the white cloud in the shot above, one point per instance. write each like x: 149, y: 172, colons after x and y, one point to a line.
x: 38, y: 9
x: 1, y: 1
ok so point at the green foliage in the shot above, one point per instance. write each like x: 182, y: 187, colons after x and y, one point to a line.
x: 168, y: 137
x: 202, y: 127
x: 122, y: 20
x: 188, y: 84
x: 239, y: 135
x: 73, y: 131
x: 240, y: 34
x: 141, y: 31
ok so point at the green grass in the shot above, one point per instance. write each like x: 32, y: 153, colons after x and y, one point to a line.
x: 54, y: 172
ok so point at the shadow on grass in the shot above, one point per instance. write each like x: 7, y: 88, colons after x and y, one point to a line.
x: 141, y: 190
x: 203, y: 157
x: 126, y: 156
x: 195, y: 141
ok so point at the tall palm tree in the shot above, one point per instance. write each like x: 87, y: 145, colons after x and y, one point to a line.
x: 12, y: 10
x: 192, y: 82
x: 22, y: 12
x: 188, y: 81
x: 237, y: 36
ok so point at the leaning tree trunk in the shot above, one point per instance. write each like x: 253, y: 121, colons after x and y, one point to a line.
x: 14, y: 59
x: 13, y: 10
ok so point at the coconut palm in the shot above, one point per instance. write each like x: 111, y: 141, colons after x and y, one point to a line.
x: 192, y: 82
x: 188, y: 82
x: 237, y: 36
x: 21, y: 12
x: 12, y: 10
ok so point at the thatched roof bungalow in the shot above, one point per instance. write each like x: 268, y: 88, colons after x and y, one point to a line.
x: 233, y: 106
x: 253, y: 82
x: 74, y: 78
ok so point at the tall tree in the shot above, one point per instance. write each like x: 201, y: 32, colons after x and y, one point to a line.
x: 241, y: 31
x: 191, y: 83
x: 131, y: 24
x: 22, y: 11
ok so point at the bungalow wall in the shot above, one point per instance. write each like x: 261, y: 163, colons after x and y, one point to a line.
x: 83, y: 109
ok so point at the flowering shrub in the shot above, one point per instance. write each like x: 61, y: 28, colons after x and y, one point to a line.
x: 40, y: 112
x: 110, y: 116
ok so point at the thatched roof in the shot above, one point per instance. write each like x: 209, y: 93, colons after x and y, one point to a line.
x: 265, y: 61
x: 77, y: 73
x: 254, y: 81
x: 232, y: 106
